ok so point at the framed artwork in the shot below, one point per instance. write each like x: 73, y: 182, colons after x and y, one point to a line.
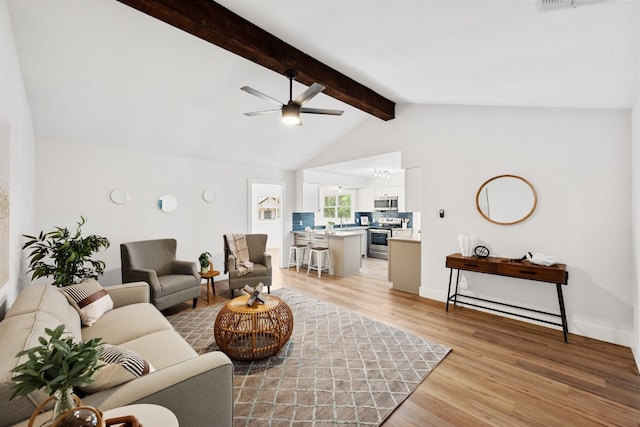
x: 4, y: 201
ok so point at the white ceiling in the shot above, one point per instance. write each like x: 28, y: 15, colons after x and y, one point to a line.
x: 99, y: 72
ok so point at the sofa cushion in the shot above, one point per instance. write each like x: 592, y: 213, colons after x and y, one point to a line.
x: 47, y: 299
x: 153, y: 347
x: 127, y: 323
x: 117, y: 365
x: 89, y: 299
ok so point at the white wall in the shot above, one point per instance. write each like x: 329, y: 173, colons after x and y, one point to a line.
x: 635, y: 226
x: 578, y: 161
x: 16, y: 116
x: 74, y: 179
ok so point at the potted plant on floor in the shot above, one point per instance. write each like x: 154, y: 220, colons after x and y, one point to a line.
x: 65, y: 257
x: 205, y: 264
x: 57, y: 365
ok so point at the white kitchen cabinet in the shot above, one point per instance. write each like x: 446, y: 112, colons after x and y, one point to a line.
x: 392, y: 190
x: 365, y: 199
x: 413, y: 189
x: 310, y: 197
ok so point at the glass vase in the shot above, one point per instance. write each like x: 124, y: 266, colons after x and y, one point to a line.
x: 62, y: 401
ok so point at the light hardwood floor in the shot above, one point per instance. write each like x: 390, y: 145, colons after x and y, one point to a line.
x: 501, y: 372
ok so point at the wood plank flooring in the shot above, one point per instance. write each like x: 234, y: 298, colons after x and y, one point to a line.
x: 501, y: 372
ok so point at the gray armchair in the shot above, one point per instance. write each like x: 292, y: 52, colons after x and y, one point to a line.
x: 154, y: 261
x: 257, y: 245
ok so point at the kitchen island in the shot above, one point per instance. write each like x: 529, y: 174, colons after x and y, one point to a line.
x: 343, y: 245
x: 404, y: 262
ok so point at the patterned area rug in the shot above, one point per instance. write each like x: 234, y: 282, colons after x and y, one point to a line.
x: 338, y: 368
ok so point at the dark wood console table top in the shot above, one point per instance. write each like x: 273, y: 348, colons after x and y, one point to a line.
x: 510, y: 268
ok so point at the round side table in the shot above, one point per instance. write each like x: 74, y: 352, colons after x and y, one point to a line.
x: 208, y: 276
x: 256, y: 332
x: 147, y: 415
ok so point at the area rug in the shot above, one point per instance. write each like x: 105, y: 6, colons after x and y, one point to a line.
x: 338, y: 368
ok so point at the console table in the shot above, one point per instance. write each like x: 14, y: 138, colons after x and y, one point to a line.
x: 511, y: 268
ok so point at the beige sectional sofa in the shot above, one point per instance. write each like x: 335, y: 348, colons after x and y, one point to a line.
x: 197, y: 388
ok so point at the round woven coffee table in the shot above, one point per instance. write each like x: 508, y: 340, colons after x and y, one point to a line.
x: 256, y: 332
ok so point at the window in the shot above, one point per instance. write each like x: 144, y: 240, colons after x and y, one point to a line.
x: 336, y: 206
x: 268, y: 208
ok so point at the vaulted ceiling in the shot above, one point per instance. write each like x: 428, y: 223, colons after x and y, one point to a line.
x: 101, y: 72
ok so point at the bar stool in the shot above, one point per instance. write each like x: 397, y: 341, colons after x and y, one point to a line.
x: 296, y: 256
x: 321, y: 254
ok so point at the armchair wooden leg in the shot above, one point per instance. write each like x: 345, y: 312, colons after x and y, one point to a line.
x: 232, y: 293
x: 195, y: 302
x: 269, y: 289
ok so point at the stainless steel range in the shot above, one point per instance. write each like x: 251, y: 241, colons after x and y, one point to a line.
x: 378, y: 235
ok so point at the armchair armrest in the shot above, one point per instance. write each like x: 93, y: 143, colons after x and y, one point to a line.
x: 144, y: 275
x: 128, y: 293
x: 230, y: 266
x: 266, y: 260
x: 184, y: 267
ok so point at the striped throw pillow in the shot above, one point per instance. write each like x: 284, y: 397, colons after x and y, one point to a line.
x: 89, y: 299
x: 118, y: 365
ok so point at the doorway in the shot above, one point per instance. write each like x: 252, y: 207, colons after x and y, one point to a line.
x: 265, y: 216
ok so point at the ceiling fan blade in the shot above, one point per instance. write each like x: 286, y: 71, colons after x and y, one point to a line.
x: 267, y: 98
x: 321, y: 111
x: 259, y: 113
x: 309, y: 93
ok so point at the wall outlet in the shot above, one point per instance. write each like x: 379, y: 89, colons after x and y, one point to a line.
x: 463, y: 283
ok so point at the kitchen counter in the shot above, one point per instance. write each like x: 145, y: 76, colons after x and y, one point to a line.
x: 344, y: 246
x: 409, y: 238
x: 404, y: 262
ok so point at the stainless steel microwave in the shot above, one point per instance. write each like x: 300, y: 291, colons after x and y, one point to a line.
x: 386, y: 203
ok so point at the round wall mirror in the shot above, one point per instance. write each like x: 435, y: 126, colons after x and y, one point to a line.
x: 167, y: 203
x: 506, y: 199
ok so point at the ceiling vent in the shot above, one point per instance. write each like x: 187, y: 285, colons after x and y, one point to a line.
x: 563, y: 4
x: 552, y: 4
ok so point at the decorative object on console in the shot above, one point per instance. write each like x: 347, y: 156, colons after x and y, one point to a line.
x: 541, y: 259
x: 467, y: 244
x: 71, y: 255
x: 205, y: 263
x: 481, y: 251
x: 42, y: 369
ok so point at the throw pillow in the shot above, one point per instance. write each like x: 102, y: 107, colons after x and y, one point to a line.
x: 118, y: 365
x: 90, y: 300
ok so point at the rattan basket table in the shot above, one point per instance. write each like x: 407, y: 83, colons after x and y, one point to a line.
x: 256, y: 332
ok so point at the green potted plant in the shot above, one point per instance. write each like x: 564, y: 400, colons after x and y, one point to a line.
x: 57, y: 365
x: 204, y: 262
x: 65, y: 257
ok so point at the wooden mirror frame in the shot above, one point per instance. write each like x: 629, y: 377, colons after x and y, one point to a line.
x: 527, y: 215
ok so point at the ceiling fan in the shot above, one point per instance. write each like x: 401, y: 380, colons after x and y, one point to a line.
x: 292, y: 109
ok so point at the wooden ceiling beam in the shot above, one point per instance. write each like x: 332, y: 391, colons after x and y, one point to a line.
x: 218, y: 25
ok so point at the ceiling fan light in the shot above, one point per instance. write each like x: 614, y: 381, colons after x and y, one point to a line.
x: 291, y: 115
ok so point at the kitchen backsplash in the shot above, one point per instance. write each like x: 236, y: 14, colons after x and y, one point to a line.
x: 301, y: 220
